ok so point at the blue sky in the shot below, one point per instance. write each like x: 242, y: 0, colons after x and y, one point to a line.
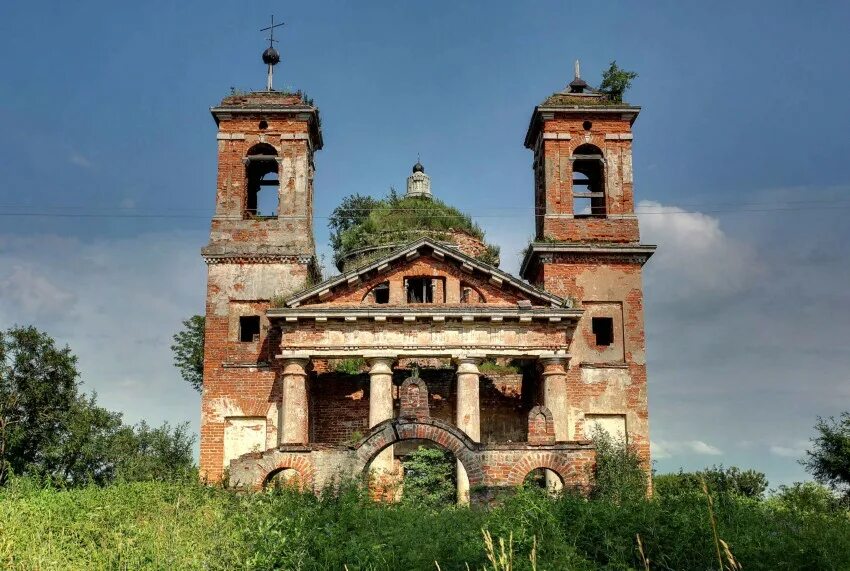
x: 107, y: 173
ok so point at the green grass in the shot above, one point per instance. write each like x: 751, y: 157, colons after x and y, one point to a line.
x: 123, y: 526
x: 190, y: 526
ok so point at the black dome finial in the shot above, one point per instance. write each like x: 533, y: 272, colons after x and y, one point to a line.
x: 271, y: 57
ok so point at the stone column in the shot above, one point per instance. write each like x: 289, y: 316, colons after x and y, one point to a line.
x: 294, y: 427
x: 468, y: 415
x: 381, y: 406
x: 555, y: 399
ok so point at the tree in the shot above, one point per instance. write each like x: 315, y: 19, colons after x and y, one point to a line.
x: 429, y: 478
x: 353, y: 210
x: 82, y: 453
x: 143, y: 453
x: 188, y: 350
x: 38, y: 381
x: 829, y: 460
x: 49, y: 430
x: 616, y: 81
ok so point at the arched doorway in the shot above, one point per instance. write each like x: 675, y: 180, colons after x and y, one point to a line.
x: 544, y: 479
x: 432, y: 431
x: 425, y: 475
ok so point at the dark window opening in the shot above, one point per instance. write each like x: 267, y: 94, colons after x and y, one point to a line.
x: 249, y: 328
x: 262, y: 175
x: 588, y: 182
x: 382, y: 293
x: 420, y: 290
x: 263, y: 125
x: 587, y: 125
x: 603, y: 329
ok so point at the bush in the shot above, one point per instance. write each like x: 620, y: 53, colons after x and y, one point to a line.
x: 350, y: 366
x: 720, y: 480
x: 807, y: 497
x: 618, y: 476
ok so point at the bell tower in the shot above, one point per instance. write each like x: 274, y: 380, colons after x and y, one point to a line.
x: 587, y: 248
x: 261, y: 249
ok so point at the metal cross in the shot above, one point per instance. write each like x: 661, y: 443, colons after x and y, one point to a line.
x: 271, y: 32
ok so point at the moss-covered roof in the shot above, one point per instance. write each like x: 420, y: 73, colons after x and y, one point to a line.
x: 266, y: 99
x: 569, y: 99
x: 397, y: 220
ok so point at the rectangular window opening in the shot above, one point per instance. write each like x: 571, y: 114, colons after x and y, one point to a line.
x: 382, y: 293
x: 249, y: 328
x: 420, y: 290
x: 603, y: 329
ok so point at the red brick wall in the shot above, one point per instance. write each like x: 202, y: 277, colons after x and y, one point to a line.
x: 591, y: 279
x: 504, y: 407
x: 339, y: 407
x: 553, y: 179
x: 420, y: 267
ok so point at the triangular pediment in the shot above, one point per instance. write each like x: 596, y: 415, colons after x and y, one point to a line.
x: 457, y: 279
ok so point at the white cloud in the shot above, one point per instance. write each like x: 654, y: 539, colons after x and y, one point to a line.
x: 700, y: 447
x: 694, y: 254
x: 659, y: 450
x: 80, y: 160
x: 116, y: 302
x: 34, y: 292
x: 793, y: 450
x: 662, y: 449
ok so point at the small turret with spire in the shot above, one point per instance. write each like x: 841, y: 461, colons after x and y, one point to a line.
x: 419, y: 183
x: 578, y: 85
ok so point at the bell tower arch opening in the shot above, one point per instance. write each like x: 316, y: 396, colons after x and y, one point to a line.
x: 588, y: 183
x: 262, y: 182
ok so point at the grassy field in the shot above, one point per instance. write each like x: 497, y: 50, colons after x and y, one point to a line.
x: 189, y: 526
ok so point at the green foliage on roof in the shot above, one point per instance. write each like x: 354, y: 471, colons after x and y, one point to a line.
x: 615, y: 82
x: 361, y: 223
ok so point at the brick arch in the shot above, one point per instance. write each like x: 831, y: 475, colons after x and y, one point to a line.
x: 442, y: 433
x: 533, y: 460
x: 540, y: 410
x: 261, y: 467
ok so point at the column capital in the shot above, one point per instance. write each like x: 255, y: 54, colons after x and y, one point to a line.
x: 468, y: 364
x: 381, y: 365
x: 554, y: 365
x: 295, y: 366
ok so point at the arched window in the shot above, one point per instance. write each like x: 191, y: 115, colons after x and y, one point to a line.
x: 470, y: 294
x: 378, y: 294
x: 588, y: 182
x: 261, y: 173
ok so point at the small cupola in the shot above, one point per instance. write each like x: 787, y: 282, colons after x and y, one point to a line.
x: 419, y: 183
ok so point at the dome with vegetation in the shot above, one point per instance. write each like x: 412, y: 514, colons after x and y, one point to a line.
x: 364, y: 228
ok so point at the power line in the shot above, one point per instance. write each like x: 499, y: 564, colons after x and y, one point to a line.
x: 663, y: 211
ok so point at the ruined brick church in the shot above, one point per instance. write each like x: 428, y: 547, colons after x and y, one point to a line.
x: 511, y: 374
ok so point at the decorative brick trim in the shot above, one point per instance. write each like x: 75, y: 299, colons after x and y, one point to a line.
x: 257, y: 259
x: 413, y: 395
x: 541, y: 426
